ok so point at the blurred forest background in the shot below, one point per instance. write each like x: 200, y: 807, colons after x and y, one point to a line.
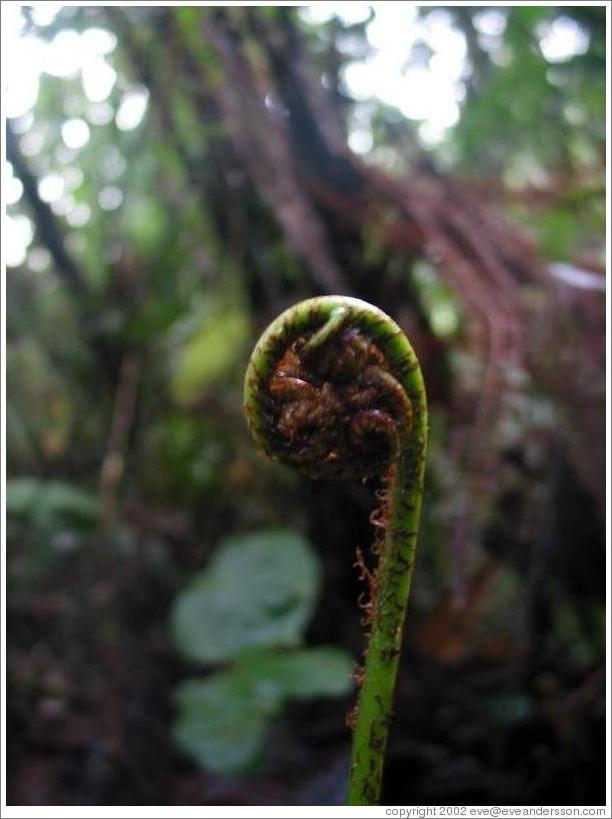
x: 182, y: 614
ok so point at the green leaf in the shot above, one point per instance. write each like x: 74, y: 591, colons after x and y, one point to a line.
x: 222, y: 722
x: 144, y: 223
x: 308, y: 672
x: 210, y: 354
x: 259, y: 591
x: 41, y: 501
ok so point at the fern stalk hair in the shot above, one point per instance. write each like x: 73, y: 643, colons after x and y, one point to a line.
x: 334, y: 388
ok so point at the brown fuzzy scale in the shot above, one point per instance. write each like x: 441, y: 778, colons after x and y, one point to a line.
x: 358, y: 672
x: 367, y: 605
x: 337, y: 410
x: 351, y: 718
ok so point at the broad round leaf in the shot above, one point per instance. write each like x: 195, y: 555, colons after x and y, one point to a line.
x: 300, y: 674
x: 259, y: 591
x: 221, y: 722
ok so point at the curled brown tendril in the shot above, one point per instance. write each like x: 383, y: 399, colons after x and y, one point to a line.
x: 336, y: 410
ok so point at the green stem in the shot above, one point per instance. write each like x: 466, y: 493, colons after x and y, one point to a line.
x: 307, y: 329
x: 394, y: 579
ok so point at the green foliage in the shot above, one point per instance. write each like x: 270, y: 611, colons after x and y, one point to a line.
x: 527, y: 107
x: 438, y: 299
x: 534, y: 120
x: 210, y: 354
x: 47, y: 521
x: 250, y: 606
x: 259, y: 590
x: 300, y: 674
x: 223, y: 720
x: 47, y: 503
x: 191, y: 456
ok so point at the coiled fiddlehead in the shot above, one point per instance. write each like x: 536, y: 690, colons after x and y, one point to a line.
x: 334, y: 388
